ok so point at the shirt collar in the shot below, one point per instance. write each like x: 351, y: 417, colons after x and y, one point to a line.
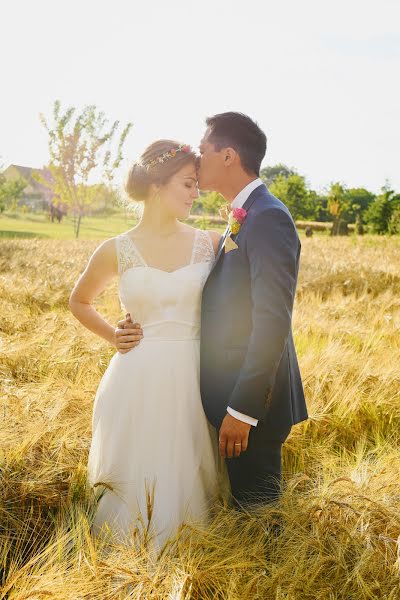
x: 242, y: 196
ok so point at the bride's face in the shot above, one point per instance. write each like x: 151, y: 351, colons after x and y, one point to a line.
x: 177, y: 196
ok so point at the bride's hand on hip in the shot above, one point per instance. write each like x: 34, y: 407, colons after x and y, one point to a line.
x: 127, y: 335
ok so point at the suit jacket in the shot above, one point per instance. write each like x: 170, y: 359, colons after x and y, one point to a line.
x: 247, y: 356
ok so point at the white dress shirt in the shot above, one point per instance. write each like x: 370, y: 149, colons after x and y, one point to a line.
x: 238, y: 202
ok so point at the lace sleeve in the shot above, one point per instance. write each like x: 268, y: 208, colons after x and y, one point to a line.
x: 126, y: 253
x: 203, y: 250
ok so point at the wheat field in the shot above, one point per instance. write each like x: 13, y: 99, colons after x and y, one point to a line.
x: 339, y: 515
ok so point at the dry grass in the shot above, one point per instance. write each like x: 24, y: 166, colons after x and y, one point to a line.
x: 335, y: 533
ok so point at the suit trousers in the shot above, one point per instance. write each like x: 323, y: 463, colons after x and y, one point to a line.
x: 256, y: 474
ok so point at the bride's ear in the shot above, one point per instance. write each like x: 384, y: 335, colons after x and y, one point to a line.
x: 154, y: 191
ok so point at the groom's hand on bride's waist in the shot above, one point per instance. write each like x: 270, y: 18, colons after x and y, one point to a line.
x: 233, y: 437
x: 127, y: 335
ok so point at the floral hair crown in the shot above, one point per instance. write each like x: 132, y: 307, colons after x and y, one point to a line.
x: 167, y: 155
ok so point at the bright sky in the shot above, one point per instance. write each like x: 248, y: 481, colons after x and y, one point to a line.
x: 321, y: 78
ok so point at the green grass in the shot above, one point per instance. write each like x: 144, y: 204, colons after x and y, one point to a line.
x: 20, y: 225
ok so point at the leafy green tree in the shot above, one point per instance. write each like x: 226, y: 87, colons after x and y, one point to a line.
x: 293, y: 192
x: 10, y: 191
x: 209, y: 203
x: 106, y: 199
x: 347, y: 205
x: 381, y: 212
x: 80, y: 146
x: 360, y: 199
x: 319, y: 207
x: 270, y: 174
x: 394, y: 222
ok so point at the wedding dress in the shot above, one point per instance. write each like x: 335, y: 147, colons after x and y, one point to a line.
x: 149, y: 430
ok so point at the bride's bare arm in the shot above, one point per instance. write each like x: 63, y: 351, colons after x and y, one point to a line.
x: 101, y: 268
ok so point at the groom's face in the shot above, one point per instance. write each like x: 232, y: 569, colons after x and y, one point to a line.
x: 211, y: 166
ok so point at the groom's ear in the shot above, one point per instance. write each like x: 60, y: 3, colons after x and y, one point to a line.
x: 230, y: 156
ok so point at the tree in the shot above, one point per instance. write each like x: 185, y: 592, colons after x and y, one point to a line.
x: 81, y: 146
x: 360, y: 199
x: 338, y: 206
x: 10, y: 192
x: 357, y: 201
x: 106, y: 199
x: 209, y: 203
x: 381, y: 212
x: 270, y: 174
x: 394, y: 222
x: 319, y: 203
x: 293, y: 192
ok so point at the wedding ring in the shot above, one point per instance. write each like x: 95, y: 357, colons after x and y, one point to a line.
x: 237, y: 444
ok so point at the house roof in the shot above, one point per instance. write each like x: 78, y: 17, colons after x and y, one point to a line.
x: 26, y: 173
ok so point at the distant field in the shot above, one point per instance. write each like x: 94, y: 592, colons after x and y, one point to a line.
x: 18, y: 225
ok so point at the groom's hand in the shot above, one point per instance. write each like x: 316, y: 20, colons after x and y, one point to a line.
x: 233, y: 437
x: 127, y: 334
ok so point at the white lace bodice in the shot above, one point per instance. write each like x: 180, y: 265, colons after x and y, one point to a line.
x: 166, y: 303
x: 129, y: 255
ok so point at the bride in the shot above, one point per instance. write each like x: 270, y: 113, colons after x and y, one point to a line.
x: 151, y: 441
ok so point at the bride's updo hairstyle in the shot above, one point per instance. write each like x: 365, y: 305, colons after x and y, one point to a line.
x: 158, y: 163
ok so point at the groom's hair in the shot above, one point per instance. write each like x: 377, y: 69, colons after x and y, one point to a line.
x: 238, y: 131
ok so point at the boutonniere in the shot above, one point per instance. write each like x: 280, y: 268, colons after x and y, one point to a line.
x: 236, y: 219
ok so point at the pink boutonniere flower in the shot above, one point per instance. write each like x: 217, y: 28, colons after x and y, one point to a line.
x: 236, y: 219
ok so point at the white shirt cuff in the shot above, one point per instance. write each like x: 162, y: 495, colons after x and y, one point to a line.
x: 241, y: 417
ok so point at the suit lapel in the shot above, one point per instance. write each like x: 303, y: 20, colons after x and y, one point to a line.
x: 246, y: 206
x: 253, y: 195
x: 222, y: 242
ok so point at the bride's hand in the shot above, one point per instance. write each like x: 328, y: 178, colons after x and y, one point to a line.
x: 127, y: 335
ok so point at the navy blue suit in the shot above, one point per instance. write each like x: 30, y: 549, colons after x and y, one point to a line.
x: 248, y: 359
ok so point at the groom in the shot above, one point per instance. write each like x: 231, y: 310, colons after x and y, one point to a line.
x: 250, y: 381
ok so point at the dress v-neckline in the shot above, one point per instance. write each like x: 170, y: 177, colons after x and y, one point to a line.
x: 145, y: 265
